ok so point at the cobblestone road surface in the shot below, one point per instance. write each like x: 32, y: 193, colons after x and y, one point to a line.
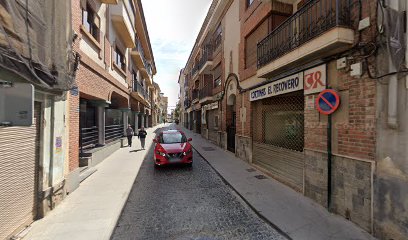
x: 187, y: 203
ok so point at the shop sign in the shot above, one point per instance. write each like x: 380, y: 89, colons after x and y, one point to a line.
x: 315, y: 79
x: 285, y: 85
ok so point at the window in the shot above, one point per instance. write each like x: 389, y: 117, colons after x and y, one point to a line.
x: 91, y: 22
x: 216, y: 121
x: 249, y: 2
x: 120, y: 60
x: 217, y: 76
x: 134, y: 80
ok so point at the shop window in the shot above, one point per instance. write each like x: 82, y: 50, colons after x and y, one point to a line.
x: 120, y: 60
x: 91, y: 22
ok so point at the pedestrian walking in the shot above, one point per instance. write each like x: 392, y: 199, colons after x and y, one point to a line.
x: 129, y: 135
x: 142, y: 136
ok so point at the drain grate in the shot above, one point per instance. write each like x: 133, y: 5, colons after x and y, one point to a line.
x: 261, y: 177
x: 208, y: 149
x: 251, y: 170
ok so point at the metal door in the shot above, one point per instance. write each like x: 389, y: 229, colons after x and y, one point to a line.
x: 231, y: 134
x: 278, y: 137
x: 19, y: 161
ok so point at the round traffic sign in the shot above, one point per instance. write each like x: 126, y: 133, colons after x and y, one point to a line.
x: 327, y: 101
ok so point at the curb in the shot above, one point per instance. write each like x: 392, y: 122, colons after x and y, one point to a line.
x: 259, y: 214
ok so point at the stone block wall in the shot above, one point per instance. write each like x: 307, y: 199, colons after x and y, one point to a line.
x: 243, y: 148
x: 351, y: 195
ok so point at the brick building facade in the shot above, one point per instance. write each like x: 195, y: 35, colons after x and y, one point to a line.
x: 114, y: 81
x: 288, y: 52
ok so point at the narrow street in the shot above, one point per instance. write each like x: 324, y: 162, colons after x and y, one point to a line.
x: 187, y: 203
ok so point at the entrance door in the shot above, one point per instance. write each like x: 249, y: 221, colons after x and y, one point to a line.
x: 231, y: 133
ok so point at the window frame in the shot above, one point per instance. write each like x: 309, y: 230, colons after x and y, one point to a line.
x: 248, y: 3
x: 89, y: 23
x: 121, y: 63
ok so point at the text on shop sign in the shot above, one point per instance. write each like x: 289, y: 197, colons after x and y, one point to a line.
x: 282, y: 86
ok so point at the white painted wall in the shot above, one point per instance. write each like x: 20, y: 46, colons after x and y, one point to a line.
x: 58, y: 147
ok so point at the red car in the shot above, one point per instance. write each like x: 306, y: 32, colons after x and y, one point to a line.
x: 172, y: 147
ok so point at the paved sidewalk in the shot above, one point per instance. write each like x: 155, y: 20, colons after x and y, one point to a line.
x: 91, y: 211
x: 296, y: 215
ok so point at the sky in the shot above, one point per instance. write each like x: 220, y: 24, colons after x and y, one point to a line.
x: 173, y: 27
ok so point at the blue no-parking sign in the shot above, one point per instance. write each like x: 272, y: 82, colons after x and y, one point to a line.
x: 328, y: 101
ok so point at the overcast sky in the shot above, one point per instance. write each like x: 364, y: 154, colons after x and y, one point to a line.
x: 173, y: 26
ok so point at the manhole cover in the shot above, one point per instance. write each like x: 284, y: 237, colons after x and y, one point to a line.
x: 251, y: 170
x: 208, y: 148
x: 260, y: 177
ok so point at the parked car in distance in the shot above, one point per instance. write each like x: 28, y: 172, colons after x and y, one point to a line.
x: 172, y: 147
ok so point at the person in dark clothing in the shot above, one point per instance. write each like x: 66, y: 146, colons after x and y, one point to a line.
x: 142, y: 136
x: 129, y: 135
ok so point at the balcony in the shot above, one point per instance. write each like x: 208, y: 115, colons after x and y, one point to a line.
x: 194, y: 71
x: 319, y: 29
x: 147, y: 73
x: 195, y: 94
x: 137, y: 54
x: 122, y: 24
x: 140, y: 93
x: 205, y: 64
x: 187, y: 103
x: 206, y: 93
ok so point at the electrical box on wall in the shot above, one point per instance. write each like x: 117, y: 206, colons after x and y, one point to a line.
x: 363, y: 24
x: 356, y: 69
x: 341, y: 63
x: 16, y: 104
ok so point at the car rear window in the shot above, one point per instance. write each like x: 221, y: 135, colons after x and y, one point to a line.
x: 168, y: 138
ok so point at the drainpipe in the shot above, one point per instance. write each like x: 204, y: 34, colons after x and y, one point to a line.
x: 392, y: 86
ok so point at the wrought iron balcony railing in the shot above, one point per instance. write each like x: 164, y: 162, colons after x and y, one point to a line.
x: 195, y: 69
x: 310, y: 21
x: 206, y: 91
x: 195, y: 94
x: 187, y: 103
x: 137, y: 87
x: 206, y: 56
